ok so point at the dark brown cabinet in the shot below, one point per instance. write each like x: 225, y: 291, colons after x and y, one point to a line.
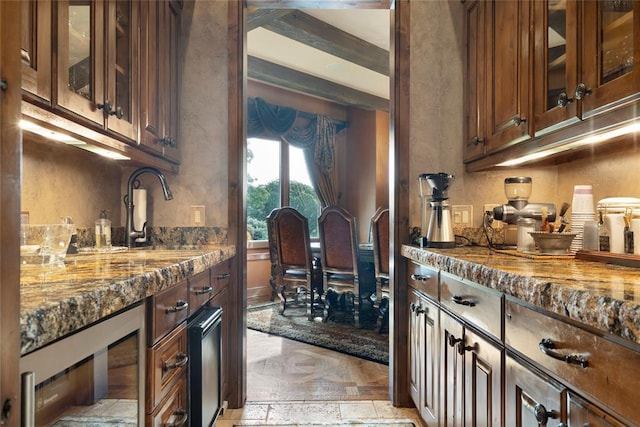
x: 160, y: 31
x: 542, y: 76
x: 96, y: 71
x: 497, y: 102
x: 36, y: 51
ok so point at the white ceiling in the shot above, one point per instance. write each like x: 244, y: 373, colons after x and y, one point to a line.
x: 371, y: 25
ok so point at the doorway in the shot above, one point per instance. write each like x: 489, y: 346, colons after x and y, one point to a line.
x: 284, y: 17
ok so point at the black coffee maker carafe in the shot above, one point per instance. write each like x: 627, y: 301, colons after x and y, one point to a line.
x: 434, y: 198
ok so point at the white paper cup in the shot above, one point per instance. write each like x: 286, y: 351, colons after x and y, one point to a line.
x: 582, y: 199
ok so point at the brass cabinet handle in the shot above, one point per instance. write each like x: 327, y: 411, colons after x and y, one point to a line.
x: 453, y: 341
x: 564, y: 100
x: 6, y: 411
x: 184, y: 416
x: 517, y: 120
x: 461, y: 301
x: 416, y: 308
x: 582, y: 91
x: 181, y: 360
x: 106, y: 106
x: 222, y: 276
x: 204, y: 290
x: 180, y: 305
x: 118, y: 112
x: 546, y: 346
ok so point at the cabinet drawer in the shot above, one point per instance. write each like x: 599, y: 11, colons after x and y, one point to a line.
x: 424, y: 279
x: 200, y: 290
x: 167, y: 309
x: 173, y: 410
x: 220, y: 276
x: 476, y: 304
x: 586, y: 362
x: 167, y: 362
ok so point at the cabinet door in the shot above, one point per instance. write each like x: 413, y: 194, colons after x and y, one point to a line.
x: 556, y: 26
x: 451, y: 372
x: 424, y: 353
x: 582, y: 413
x: 36, y: 50
x: 611, y: 54
x: 508, y: 109
x: 530, y: 398
x: 475, y: 80
x: 160, y: 23
x: 483, y: 381
x: 122, y: 54
x: 80, y: 50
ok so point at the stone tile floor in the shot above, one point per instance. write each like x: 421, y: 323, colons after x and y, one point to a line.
x: 362, y: 413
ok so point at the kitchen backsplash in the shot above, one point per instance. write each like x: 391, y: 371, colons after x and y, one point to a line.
x: 166, y: 237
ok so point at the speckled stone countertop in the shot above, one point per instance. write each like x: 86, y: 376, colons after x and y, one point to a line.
x: 603, y: 296
x: 55, y: 301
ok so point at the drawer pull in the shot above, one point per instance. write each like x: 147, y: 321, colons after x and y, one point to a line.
x: 417, y: 309
x: 459, y: 300
x: 204, y: 290
x: 180, y: 305
x: 181, y: 360
x: 546, y: 346
x: 538, y: 410
x: 184, y: 416
x: 453, y: 341
x: 222, y: 276
x: 420, y: 277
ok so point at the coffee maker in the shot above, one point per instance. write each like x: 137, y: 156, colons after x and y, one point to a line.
x: 434, y: 200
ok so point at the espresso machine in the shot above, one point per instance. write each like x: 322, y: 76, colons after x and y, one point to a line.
x: 518, y: 189
x: 434, y: 200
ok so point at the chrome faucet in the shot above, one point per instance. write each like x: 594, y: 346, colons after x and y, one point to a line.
x: 131, y: 233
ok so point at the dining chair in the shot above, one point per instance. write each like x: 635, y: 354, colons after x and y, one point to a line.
x: 339, y: 257
x: 380, y: 240
x: 290, y: 252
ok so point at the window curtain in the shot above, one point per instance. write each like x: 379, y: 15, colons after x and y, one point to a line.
x: 316, y: 137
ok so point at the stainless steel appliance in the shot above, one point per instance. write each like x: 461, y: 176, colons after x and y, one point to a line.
x: 518, y: 189
x: 435, y: 205
x: 205, y: 351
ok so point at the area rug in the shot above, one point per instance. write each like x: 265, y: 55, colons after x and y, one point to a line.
x: 338, y: 335
x: 368, y: 423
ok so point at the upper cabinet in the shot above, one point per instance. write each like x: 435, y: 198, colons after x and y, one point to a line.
x: 497, y: 58
x: 36, y: 50
x: 110, y: 66
x: 96, y: 47
x: 584, y: 59
x: 552, y: 71
x: 160, y: 36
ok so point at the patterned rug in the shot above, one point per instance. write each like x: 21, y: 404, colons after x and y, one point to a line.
x: 339, y: 334
x: 367, y: 423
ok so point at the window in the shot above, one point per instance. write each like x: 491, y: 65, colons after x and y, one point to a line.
x: 277, y: 175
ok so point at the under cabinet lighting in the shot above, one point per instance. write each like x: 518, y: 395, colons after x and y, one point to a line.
x: 70, y: 140
x: 589, y: 140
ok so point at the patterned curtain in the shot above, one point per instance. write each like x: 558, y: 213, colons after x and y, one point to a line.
x: 317, y: 139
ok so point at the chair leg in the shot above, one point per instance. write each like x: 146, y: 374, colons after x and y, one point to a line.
x: 283, y: 298
x: 356, y: 311
x: 309, y: 297
x: 383, y: 315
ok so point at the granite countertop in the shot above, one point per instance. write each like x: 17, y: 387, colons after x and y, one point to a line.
x: 602, y: 296
x: 56, y: 301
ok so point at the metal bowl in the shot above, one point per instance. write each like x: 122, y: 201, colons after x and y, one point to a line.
x: 553, y: 243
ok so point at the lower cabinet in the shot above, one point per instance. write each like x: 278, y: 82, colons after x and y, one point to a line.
x: 480, y: 359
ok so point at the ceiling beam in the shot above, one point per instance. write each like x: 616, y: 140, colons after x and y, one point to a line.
x: 259, y: 17
x: 313, y: 32
x: 319, y: 4
x: 278, y: 75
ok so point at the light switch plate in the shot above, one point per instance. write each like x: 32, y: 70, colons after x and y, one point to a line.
x: 197, y: 215
x: 462, y: 215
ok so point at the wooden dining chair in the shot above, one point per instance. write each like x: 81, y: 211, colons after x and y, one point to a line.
x: 290, y: 252
x: 339, y: 256
x: 380, y: 240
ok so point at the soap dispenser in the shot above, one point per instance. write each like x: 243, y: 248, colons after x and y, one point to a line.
x: 103, y: 231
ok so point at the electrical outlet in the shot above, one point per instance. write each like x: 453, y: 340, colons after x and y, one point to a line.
x: 197, y: 216
x: 462, y: 215
x: 489, y: 207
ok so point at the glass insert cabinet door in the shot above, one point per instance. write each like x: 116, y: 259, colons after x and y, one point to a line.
x: 81, y: 58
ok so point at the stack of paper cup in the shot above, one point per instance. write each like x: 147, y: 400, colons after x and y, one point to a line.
x: 582, y: 210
